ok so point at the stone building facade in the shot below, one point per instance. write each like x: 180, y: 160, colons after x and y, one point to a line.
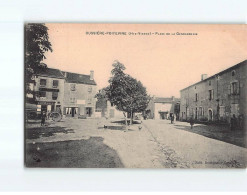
x: 218, y: 97
x: 49, y: 90
x: 79, y: 95
x: 71, y: 94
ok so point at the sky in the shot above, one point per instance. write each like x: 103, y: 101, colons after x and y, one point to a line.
x: 164, y: 63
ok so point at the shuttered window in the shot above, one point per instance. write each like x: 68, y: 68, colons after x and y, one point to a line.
x: 42, y: 82
x: 55, y: 83
x: 54, y: 95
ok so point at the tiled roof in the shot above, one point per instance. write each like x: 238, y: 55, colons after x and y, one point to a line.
x: 78, y: 78
x: 50, y: 72
x: 165, y: 100
x: 244, y: 63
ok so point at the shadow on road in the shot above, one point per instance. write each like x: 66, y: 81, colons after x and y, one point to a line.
x: 113, y: 127
x: 89, y: 153
x: 123, y: 122
x: 45, y: 131
x: 221, y: 133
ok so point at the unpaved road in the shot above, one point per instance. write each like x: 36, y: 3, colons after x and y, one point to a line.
x: 85, y: 143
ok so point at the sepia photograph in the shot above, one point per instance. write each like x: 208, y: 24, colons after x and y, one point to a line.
x: 102, y: 95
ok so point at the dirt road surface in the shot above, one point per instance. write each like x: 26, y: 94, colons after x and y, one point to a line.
x: 151, y: 144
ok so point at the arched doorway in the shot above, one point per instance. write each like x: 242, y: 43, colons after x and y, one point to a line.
x: 210, y: 114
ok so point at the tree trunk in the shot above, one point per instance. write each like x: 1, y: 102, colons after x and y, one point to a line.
x: 131, y: 117
x: 125, y: 117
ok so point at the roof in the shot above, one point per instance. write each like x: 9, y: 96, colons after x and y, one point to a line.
x: 50, y: 72
x: 78, y: 78
x: 165, y: 100
x: 218, y: 74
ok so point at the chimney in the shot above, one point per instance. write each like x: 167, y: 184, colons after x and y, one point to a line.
x: 173, y: 98
x: 65, y: 74
x: 91, y: 75
x: 204, y: 76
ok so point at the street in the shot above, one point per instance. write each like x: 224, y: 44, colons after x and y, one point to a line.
x: 85, y: 143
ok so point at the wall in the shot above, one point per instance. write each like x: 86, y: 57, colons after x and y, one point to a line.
x: 112, y: 112
x: 82, y: 97
x: 223, y: 102
x: 49, y: 84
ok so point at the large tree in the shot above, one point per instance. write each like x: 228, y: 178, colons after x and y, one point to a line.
x: 36, y: 45
x: 125, y: 92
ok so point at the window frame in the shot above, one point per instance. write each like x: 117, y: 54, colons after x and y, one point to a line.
x: 72, y: 88
x: 54, y: 86
x: 54, y: 97
x: 211, y: 94
x: 44, y: 92
x: 41, y: 84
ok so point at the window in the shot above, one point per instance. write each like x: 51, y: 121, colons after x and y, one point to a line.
x: 72, y: 100
x: 42, y: 82
x: 196, y: 97
x: 234, y: 88
x: 89, y: 89
x: 209, y: 83
x: 211, y: 94
x: 195, y: 87
x: 233, y: 73
x: 54, y: 95
x: 72, y: 87
x: 200, y: 111
x: 89, y: 100
x: 42, y: 94
x: 55, y: 83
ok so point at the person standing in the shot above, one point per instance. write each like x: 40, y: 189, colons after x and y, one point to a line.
x: 43, y: 117
x: 192, y: 122
x: 172, y: 118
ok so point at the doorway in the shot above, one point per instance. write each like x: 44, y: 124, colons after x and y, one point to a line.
x: 89, y: 111
x: 73, y: 112
x: 210, y: 115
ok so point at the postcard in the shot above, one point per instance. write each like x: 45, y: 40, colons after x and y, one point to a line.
x: 135, y: 95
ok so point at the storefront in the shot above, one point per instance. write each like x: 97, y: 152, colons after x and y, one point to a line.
x: 72, y: 111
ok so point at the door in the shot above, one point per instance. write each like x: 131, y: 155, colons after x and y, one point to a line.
x: 89, y: 111
x: 43, y: 108
x: 72, y: 112
x: 210, y: 115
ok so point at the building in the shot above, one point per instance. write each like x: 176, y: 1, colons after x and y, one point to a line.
x: 79, y: 94
x: 162, y: 107
x: 71, y: 94
x: 218, y: 97
x: 49, y: 90
x: 104, y: 108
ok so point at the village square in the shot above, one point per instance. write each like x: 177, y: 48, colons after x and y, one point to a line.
x: 70, y: 121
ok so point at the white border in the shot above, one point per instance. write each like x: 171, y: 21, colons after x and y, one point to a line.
x: 13, y: 175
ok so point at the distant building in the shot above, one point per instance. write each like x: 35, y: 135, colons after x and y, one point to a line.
x: 218, y: 97
x: 104, y: 108
x: 79, y: 94
x: 49, y: 90
x: 161, y: 107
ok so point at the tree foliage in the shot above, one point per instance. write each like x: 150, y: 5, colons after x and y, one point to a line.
x: 125, y: 92
x: 36, y: 45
